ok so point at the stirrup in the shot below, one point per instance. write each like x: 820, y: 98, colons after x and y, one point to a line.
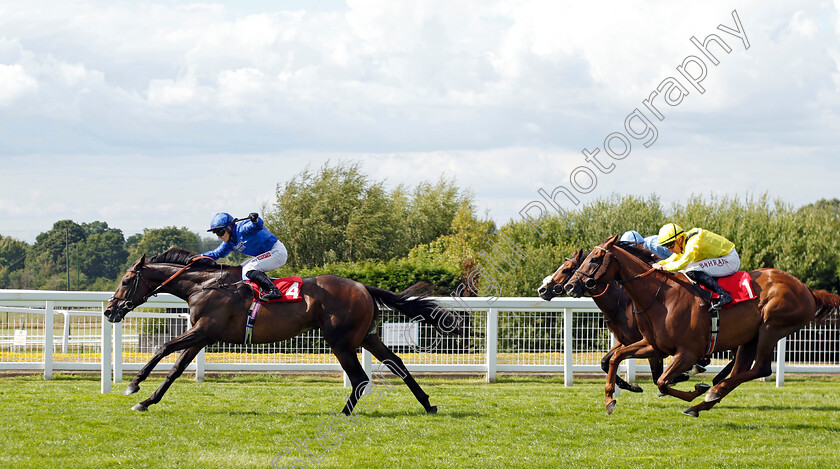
x: 271, y: 295
x: 719, y: 304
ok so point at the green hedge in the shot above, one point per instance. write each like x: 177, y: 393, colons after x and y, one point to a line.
x: 395, y: 275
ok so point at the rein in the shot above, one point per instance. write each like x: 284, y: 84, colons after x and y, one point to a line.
x: 176, y: 274
x: 653, y: 300
x: 129, y: 305
x: 623, y: 281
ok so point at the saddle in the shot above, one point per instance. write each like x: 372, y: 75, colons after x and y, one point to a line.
x: 289, y: 286
x: 739, y: 285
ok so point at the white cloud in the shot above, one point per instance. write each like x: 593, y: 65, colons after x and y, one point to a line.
x: 14, y: 83
x: 503, y: 95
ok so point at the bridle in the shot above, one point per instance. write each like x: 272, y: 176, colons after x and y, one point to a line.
x: 592, y: 279
x: 576, y: 265
x: 129, y: 305
x: 593, y: 276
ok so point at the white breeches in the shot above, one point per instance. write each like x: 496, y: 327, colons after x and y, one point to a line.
x: 273, y: 259
x: 718, y: 266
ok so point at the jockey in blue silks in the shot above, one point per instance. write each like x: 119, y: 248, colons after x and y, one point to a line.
x: 651, y: 243
x: 250, y: 237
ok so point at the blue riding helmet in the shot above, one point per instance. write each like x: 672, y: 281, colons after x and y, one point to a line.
x: 220, y: 220
x: 632, y: 236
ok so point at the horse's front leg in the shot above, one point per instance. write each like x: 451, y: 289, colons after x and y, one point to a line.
x: 180, y: 365
x: 605, y: 365
x: 196, y: 335
x: 639, y: 349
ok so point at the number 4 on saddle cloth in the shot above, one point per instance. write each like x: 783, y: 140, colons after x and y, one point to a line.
x: 289, y: 286
x: 739, y: 285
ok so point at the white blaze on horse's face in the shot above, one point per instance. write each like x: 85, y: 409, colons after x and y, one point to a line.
x: 546, y: 281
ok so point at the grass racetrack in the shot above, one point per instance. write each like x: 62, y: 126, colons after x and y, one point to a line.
x: 268, y: 420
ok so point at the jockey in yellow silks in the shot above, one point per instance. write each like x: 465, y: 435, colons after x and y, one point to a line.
x: 702, y: 255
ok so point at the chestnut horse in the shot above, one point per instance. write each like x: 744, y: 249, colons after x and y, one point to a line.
x: 345, y: 311
x: 619, y: 318
x: 674, y: 319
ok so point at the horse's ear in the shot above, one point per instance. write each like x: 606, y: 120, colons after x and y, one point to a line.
x: 142, y: 260
x: 612, y: 240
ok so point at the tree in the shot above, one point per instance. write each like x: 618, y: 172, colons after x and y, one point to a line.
x: 51, y: 246
x: 336, y: 215
x: 157, y: 240
x: 339, y: 215
x: 102, y: 253
x: 432, y: 209
x: 12, y: 253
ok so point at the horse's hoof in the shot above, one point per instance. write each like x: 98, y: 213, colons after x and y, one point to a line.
x: 702, y: 387
x: 140, y: 407
x: 691, y: 412
x: 611, y: 406
x: 635, y: 388
x: 131, y: 389
x: 712, y: 397
x: 661, y: 394
x: 431, y: 409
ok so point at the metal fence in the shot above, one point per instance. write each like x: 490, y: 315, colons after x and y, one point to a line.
x: 66, y: 331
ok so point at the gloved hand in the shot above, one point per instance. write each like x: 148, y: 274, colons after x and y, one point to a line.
x: 253, y: 216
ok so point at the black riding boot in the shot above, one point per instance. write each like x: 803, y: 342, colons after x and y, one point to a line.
x: 709, y: 282
x: 270, y: 291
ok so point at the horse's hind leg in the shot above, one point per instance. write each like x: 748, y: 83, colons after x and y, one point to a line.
x: 382, y: 353
x: 744, y: 370
x: 358, y: 378
x: 176, y: 371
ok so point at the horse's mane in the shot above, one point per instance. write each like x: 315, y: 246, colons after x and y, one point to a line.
x: 648, y: 257
x: 181, y: 256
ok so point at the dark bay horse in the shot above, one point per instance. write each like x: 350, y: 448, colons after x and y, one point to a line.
x: 619, y: 317
x: 345, y: 310
x: 674, y: 318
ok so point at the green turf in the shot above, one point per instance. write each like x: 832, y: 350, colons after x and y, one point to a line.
x: 250, y: 421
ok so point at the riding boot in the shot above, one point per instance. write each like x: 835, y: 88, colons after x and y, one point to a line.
x: 710, y: 282
x: 270, y: 291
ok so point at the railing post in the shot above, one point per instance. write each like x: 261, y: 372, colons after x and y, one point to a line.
x: 613, y: 341
x: 105, y: 378
x: 65, y: 335
x: 118, y: 352
x: 781, y: 347
x: 491, y: 345
x: 49, y: 313
x: 199, y: 358
x: 568, y: 379
x: 630, y: 377
x: 367, y: 365
x: 199, y: 366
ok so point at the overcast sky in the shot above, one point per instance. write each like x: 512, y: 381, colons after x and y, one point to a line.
x: 161, y: 113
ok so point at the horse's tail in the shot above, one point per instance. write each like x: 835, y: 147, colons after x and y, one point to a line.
x: 827, y: 303
x: 421, y: 308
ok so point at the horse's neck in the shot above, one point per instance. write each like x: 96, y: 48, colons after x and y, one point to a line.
x: 640, y: 290
x: 186, y: 283
x: 613, y: 303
